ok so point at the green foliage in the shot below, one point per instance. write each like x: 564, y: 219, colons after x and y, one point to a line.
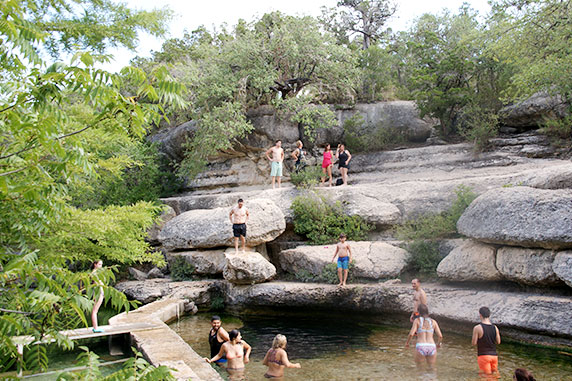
x: 181, y: 269
x: 306, y: 178
x: 442, y: 225
x: 217, y: 303
x: 361, y: 138
x: 322, y: 221
x: 113, y: 234
x: 559, y: 130
x: 478, y: 126
x: 136, y: 368
x: 330, y: 273
x: 424, y: 256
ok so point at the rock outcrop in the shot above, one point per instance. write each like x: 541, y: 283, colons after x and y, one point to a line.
x: 204, y: 228
x: 166, y: 216
x: 562, y: 266
x: 372, y: 260
x: 470, y: 261
x: 520, y: 216
x: 247, y: 268
x: 205, y: 262
x: 527, y: 266
x: 534, y: 111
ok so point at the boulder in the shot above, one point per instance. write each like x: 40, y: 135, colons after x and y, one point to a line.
x: 402, y: 116
x: 155, y: 273
x: 137, y: 274
x: 562, y: 266
x: 144, y: 291
x: 527, y: 266
x: 471, y: 261
x: 373, y: 260
x: 534, y: 111
x: 559, y: 177
x: 371, y: 209
x: 205, y: 262
x: 153, y: 232
x: 520, y: 216
x: 203, y: 228
x: 171, y: 140
x: 247, y: 268
x: 269, y: 127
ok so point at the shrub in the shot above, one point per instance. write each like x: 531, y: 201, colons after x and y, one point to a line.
x: 360, y: 138
x: 479, y: 126
x: 559, y: 130
x: 330, y: 273
x: 440, y: 225
x: 424, y: 256
x: 181, y: 269
x: 321, y: 221
x: 306, y: 178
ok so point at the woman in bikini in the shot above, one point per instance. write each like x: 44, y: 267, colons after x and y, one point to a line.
x: 327, y: 164
x: 99, y: 296
x: 237, y: 353
x: 424, y: 327
x: 276, y: 358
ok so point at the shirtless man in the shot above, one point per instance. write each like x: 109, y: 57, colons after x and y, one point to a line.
x: 217, y: 337
x: 419, y: 297
x: 239, y: 217
x: 276, y: 162
x: 344, y: 253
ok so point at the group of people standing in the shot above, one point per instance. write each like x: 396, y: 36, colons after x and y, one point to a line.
x: 275, y: 155
x: 230, y: 349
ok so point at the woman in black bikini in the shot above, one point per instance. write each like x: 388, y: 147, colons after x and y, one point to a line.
x: 277, y: 359
x: 237, y: 352
x: 344, y: 156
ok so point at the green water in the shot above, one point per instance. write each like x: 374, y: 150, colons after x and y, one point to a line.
x: 353, y: 348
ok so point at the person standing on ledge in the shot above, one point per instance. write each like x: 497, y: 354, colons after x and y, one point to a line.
x: 217, y: 337
x: 276, y: 162
x: 344, y: 253
x: 95, y: 266
x: 239, y: 217
x: 299, y: 155
x: 344, y: 156
x: 419, y: 297
x: 486, y: 337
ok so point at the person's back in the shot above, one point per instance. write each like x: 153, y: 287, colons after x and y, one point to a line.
x: 486, y: 345
x: 425, y: 330
x: 486, y: 336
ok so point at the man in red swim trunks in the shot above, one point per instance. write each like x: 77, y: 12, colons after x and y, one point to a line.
x: 486, y: 337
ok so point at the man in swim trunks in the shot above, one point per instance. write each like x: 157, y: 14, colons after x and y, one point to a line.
x: 239, y: 217
x: 344, y: 253
x: 486, y: 337
x: 276, y: 162
x: 217, y: 337
x: 419, y: 297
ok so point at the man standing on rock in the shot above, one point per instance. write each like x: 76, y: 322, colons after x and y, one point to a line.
x: 486, y: 337
x: 239, y: 217
x: 276, y: 162
x: 419, y: 297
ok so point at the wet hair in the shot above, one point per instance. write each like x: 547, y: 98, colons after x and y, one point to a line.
x: 522, y: 374
x: 215, y: 317
x: 233, y: 334
x: 279, y: 341
x: 277, y: 141
x: 343, y: 235
x: 94, y: 263
x: 240, y: 200
x: 422, y: 309
x: 485, y: 312
x: 298, y: 143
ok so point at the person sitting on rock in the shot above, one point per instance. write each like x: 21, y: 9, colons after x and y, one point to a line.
x: 239, y: 217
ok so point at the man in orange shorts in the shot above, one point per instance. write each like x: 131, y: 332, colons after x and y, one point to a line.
x: 486, y: 336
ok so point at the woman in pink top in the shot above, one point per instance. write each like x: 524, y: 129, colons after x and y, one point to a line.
x: 327, y: 164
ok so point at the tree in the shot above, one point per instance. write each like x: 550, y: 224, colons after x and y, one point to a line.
x: 363, y: 17
x: 43, y: 153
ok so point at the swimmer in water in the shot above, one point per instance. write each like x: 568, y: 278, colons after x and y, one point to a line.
x: 237, y: 353
x: 276, y: 358
x: 424, y: 327
x: 217, y: 337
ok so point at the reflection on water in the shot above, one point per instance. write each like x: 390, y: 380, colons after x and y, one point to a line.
x: 351, y: 348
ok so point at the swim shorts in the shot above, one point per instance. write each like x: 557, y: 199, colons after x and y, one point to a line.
x: 239, y: 230
x: 343, y: 262
x: 276, y: 169
x: 426, y: 349
x: 488, y: 364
